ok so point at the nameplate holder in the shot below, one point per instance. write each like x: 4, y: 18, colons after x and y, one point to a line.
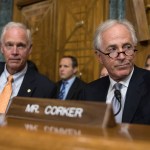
x: 76, y: 112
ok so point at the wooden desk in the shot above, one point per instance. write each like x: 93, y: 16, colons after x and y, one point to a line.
x: 16, y: 134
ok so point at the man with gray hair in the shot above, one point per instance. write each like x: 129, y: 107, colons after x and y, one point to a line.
x: 127, y: 87
x: 16, y: 46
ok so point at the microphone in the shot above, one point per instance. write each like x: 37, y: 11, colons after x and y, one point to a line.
x: 118, y: 97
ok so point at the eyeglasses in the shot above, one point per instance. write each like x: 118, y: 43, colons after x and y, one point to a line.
x: 128, y: 50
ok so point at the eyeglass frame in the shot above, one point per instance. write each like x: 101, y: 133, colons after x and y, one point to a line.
x: 124, y: 52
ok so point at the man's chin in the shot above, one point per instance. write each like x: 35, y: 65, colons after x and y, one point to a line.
x: 15, y: 61
x: 14, y: 66
x: 63, y: 78
x: 123, y: 75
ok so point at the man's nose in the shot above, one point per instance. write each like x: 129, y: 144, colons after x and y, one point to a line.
x: 61, y: 68
x: 121, y: 54
x: 14, y: 50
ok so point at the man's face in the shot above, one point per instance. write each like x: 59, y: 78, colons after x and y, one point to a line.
x: 66, y: 71
x: 15, y: 49
x: 116, y: 38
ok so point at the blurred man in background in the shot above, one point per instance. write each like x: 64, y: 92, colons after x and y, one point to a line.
x: 70, y: 86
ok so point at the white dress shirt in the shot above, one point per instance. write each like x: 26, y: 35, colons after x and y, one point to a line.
x: 110, y: 94
x: 17, y: 80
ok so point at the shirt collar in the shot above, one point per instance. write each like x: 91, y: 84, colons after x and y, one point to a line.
x: 124, y: 82
x: 16, y: 75
x: 71, y: 80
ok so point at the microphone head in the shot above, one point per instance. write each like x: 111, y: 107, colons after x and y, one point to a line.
x: 117, y: 95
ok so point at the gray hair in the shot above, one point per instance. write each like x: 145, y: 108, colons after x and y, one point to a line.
x: 16, y: 25
x: 108, y: 24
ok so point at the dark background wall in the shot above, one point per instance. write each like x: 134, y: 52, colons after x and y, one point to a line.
x: 5, y: 15
x: 117, y: 9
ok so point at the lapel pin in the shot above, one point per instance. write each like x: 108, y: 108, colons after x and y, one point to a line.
x: 29, y: 90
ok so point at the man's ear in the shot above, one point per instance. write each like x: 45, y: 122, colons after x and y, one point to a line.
x: 30, y: 49
x: 98, y: 56
x: 75, y: 70
x: 1, y: 48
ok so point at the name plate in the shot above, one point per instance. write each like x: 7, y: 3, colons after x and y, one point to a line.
x: 80, y: 112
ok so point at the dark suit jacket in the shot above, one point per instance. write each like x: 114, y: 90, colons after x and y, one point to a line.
x: 34, y: 84
x: 74, y: 91
x: 137, y: 103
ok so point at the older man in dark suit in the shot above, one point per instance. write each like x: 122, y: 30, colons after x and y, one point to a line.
x: 127, y: 87
x: 16, y: 45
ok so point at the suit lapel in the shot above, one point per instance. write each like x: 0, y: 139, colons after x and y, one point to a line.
x: 97, y: 90
x: 27, y: 88
x: 72, y: 89
x: 2, y: 65
x: 104, y: 88
x: 58, y: 88
x: 136, y: 90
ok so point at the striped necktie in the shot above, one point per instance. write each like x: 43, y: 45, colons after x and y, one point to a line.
x: 116, y: 102
x: 6, y: 94
x: 62, y: 91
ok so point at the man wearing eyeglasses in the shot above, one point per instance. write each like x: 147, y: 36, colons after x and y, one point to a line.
x: 127, y: 87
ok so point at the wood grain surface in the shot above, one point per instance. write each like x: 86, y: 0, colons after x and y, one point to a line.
x: 16, y: 134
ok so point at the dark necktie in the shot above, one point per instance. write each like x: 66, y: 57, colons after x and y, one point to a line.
x: 6, y: 94
x: 62, y: 91
x: 116, y: 102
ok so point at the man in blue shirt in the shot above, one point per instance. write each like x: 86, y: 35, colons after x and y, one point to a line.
x: 70, y: 86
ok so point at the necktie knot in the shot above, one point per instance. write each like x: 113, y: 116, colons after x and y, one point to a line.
x: 118, y: 86
x: 65, y: 83
x: 10, y: 79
